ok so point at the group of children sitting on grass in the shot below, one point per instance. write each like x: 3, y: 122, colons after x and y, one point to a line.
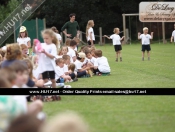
x: 50, y: 65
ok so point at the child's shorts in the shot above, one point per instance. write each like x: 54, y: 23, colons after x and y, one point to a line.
x: 117, y: 48
x: 48, y: 74
x: 80, y: 74
x: 146, y: 47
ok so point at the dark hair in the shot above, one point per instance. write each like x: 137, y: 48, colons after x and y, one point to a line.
x: 73, y: 43
x: 25, y: 123
x: 54, y: 29
x: 98, y: 53
x: 72, y: 14
x: 26, y: 34
x: 19, y: 66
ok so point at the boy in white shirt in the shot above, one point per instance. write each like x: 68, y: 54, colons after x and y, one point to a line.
x: 116, y: 42
x: 60, y: 69
x: 173, y: 35
x: 102, y: 62
x: 71, y: 51
x: 145, y: 37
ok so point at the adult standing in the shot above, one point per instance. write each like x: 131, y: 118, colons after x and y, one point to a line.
x: 72, y: 27
x: 173, y: 35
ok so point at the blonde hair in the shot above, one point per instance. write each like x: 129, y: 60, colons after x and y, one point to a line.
x: 89, y: 24
x: 116, y: 30
x: 145, y: 28
x: 53, y: 35
x: 33, y: 61
x: 13, y: 52
x: 66, y: 122
x: 67, y: 43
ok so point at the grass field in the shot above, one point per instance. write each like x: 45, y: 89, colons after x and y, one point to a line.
x: 127, y: 113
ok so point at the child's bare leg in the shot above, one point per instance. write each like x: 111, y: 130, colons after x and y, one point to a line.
x: 53, y: 83
x: 143, y: 55
x: 46, y: 80
x: 148, y: 53
x: 120, y: 55
x: 116, y: 56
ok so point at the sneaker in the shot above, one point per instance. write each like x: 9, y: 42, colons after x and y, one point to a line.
x: 75, y: 79
x: 142, y: 59
x: 49, y: 83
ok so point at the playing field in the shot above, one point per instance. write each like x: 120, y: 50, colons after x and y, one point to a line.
x: 127, y: 113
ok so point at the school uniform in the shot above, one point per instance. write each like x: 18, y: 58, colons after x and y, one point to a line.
x: 71, y: 53
x: 173, y: 35
x: 103, y: 65
x: 145, y: 42
x: 78, y: 66
x: 90, y: 30
x: 24, y: 41
x: 46, y: 65
x: 116, y: 42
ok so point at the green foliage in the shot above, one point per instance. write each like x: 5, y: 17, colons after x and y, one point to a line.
x: 132, y: 72
x: 7, y: 9
x: 105, y: 13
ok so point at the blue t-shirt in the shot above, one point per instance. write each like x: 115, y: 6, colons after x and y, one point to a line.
x: 7, y: 63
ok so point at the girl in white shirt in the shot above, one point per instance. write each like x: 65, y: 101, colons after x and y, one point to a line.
x: 46, y: 63
x: 145, y: 37
x: 116, y: 42
x: 23, y: 38
x: 90, y: 33
x: 173, y: 35
x: 58, y: 36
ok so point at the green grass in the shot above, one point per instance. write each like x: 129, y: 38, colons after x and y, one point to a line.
x: 132, y: 72
x: 127, y: 113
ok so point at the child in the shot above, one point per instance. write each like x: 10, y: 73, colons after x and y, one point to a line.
x: 116, y: 42
x: 145, y: 42
x: 92, y: 60
x: 71, y: 51
x: 32, y: 80
x: 67, y: 43
x: 57, y: 34
x: 9, y: 75
x: 60, y: 65
x: 13, y: 53
x: 66, y: 122
x: 63, y: 51
x: 78, y: 42
x: 102, y: 62
x: 66, y: 69
x: 78, y: 65
x: 90, y: 33
x: 23, y: 38
x: 173, y: 35
x: 24, y: 50
x: 46, y: 63
x: 22, y: 74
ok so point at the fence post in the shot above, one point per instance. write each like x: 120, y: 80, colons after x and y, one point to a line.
x: 124, y: 28
x: 61, y: 38
x: 36, y: 27
x: 80, y: 35
x: 65, y: 35
x: 163, y: 32
x: 100, y: 32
